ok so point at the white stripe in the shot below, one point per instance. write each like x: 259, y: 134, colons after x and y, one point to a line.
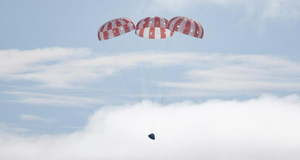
x: 168, y: 33
x: 157, y: 33
x: 151, y: 21
x: 121, y: 30
x: 101, y: 36
x: 193, y: 28
x: 110, y: 34
x: 182, y: 25
x: 113, y: 25
x: 130, y: 26
x: 141, y: 23
x: 162, y: 22
x: 146, y: 32
x: 173, y: 23
x: 122, y: 21
x: 200, y: 29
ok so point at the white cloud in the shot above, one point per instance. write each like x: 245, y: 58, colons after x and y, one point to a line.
x: 261, y: 9
x: 4, y: 129
x: 236, y: 73
x: 16, y: 61
x: 63, y: 67
x: 27, y: 64
x: 27, y: 117
x: 281, y: 9
x: 54, y: 100
x: 262, y: 128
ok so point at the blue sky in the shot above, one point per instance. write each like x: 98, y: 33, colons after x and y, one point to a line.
x: 58, y: 80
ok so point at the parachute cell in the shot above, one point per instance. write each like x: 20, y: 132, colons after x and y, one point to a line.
x: 186, y: 26
x: 153, y: 28
x: 115, y: 28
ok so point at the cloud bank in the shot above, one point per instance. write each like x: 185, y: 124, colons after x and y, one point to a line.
x: 261, y: 128
x: 53, y: 100
x: 242, y: 73
x: 261, y: 9
x: 198, y: 72
x: 26, y: 117
x: 63, y: 67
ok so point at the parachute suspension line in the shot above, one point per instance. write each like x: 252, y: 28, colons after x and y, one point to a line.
x: 138, y: 98
x: 147, y: 80
x: 152, y: 119
x: 169, y: 89
x: 152, y: 92
x: 161, y: 79
x: 148, y: 83
x: 140, y: 86
x: 139, y: 80
x: 162, y: 71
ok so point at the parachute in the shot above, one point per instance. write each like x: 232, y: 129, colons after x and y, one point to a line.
x: 115, y: 28
x: 186, y: 26
x: 153, y: 28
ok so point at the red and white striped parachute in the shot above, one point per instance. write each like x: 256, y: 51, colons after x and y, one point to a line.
x: 186, y: 26
x: 153, y: 28
x: 114, y: 28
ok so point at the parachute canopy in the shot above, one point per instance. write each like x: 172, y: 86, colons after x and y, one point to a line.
x: 153, y: 28
x: 115, y: 28
x: 186, y: 26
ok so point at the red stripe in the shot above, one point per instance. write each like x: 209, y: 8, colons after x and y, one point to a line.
x: 146, y: 24
x: 141, y: 33
x: 133, y: 26
x: 105, y: 35
x: 126, y: 28
x: 196, y: 29
x: 156, y: 22
x: 169, y: 23
x: 166, y: 22
x: 152, y: 33
x: 187, y: 27
x: 118, y: 23
x: 116, y: 32
x: 125, y: 20
x: 138, y: 25
x: 163, y: 33
x: 99, y: 36
x: 175, y: 28
x: 109, y: 26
